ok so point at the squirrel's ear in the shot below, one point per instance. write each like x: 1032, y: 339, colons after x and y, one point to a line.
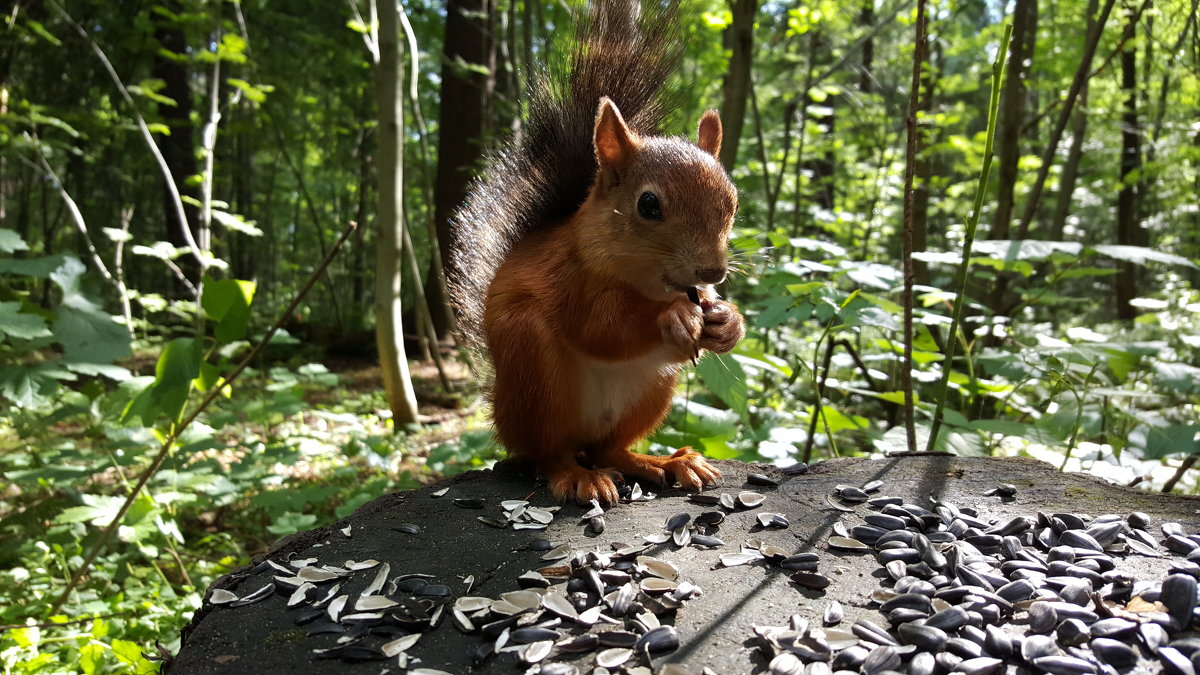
x: 615, y: 142
x: 709, y: 139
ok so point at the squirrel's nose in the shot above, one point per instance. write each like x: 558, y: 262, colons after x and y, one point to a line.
x: 711, y: 275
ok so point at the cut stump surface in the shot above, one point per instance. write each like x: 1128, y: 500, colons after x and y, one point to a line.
x: 716, y: 629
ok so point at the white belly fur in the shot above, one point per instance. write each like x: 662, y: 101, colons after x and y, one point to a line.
x: 607, y: 389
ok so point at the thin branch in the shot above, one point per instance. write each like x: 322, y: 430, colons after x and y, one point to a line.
x: 178, y: 429
x: 426, y: 164
x: 852, y: 51
x: 1064, y: 115
x: 1187, y: 463
x: 77, y: 217
x: 163, y: 167
x: 960, y: 284
x: 370, y: 38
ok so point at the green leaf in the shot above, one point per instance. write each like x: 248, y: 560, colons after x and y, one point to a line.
x: 177, y: 366
x: 91, y: 658
x: 114, y: 373
x: 1120, y: 363
x: 160, y: 249
x: 1011, y: 250
x: 86, y: 332
x: 756, y: 359
x: 871, y: 275
x: 149, y: 88
x: 773, y: 312
x: 99, y: 510
x: 236, y: 223
x: 114, y: 234
x: 1015, y: 429
x: 1022, y: 267
x: 131, y: 653
x: 228, y: 303
x: 706, y: 421
x: 838, y: 420
x: 32, y: 387
x: 949, y: 440
x: 869, y: 315
x: 256, y: 93
x: 1181, y: 377
x: 21, y: 326
x: 1080, y: 272
x: 1158, y: 442
x: 291, y: 522
x: 40, y: 30
x: 39, y: 268
x: 11, y: 242
x: 827, y: 247
x: 717, y: 447
x: 724, y: 377
x: 1139, y: 255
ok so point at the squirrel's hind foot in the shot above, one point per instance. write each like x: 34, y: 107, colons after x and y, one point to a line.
x: 582, y: 485
x: 686, y: 466
x: 690, y: 469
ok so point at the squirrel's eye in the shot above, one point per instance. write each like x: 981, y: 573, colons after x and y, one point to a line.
x: 648, y: 206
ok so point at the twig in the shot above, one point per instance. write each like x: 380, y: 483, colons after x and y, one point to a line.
x: 1187, y: 463
x: 818, y: 407
x: 960, y: 285
x: 178, y: 429
x: 77, y: 216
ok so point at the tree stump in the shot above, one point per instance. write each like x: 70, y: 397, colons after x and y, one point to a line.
x: 715, y: 628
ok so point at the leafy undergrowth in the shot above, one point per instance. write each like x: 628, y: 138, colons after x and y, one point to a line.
x: 293, y: 448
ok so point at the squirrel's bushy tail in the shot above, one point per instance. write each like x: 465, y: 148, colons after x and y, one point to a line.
x: 623, y: 52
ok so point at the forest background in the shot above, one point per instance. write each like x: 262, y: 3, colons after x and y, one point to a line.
x: 174, y: 174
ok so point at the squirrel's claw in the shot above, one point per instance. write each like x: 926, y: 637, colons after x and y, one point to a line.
x: 583, y: 485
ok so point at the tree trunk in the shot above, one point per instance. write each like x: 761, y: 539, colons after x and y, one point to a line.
x: 924, y: 173
x: 462, y: 126
x: 866, y: 19
x: 820, y: 165
x: 1012, y: 113
x: 389, y: 335
x: 1128, y: 222
x: 1070, y: 170
x: 358, y: 286
x: 739, y: 38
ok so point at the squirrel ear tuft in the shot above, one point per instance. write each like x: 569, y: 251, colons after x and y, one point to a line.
x: 709, y: 139
x: 615, y: 142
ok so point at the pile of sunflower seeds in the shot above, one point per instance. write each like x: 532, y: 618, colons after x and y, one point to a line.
x: 961, y: 593
x: 965, y: 594
x: 382, y: 620
x: 610, y: 608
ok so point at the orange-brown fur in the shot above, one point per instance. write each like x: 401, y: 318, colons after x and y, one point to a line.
x: 587, y: 321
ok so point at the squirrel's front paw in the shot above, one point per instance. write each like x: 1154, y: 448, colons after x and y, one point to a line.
x: 723, y: 327
x: 681, y: 325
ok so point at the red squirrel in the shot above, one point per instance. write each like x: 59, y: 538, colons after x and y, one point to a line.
x: 575, y: 256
